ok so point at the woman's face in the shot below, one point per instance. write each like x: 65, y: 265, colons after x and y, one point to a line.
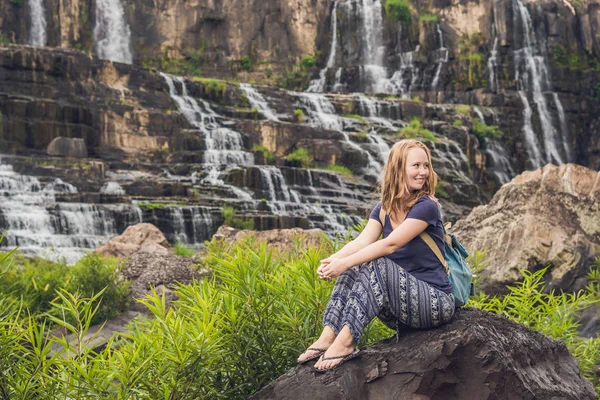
x: 417, y: 168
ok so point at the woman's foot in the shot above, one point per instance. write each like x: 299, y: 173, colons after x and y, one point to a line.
x: 319, y: 347
x: 342, y: 346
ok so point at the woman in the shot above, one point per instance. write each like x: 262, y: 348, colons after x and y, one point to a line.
x: 398, y: 279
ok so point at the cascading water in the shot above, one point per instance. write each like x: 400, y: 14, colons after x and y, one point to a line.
x: 531, y: 73
x: 318, y: 85
x: 372, y: 50
x: 492, y: 63
x: 258, y: 101
x: 36, y: 223
x: 37, y: 36
x: 111, y: 33
x: 442, y: 58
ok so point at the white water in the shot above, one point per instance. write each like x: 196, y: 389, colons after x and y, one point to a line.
x: 112, y: 188
x: 318, y: 85
x: 442, y: 58
x: 479, y: 114
x: 37, y: 35
x: 531, y: 141
x: 500, y: 163
x: 531, y: 72
x: 492, y: 65
x: 39, y: 225
x: 111, y: 33
x: 372, y: 49
x: 258, y: 101
x: 320, y: 112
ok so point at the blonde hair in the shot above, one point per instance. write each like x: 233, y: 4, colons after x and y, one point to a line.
x: 395, y: 192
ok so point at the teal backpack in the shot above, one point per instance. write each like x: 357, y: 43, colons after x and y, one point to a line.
x: 455, y: 264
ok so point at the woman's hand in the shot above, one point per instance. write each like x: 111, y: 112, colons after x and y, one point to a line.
x: 332, y: 268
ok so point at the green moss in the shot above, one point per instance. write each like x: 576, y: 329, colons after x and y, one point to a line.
x: 308, y: 62
x: 416, y: 99
x: 337, y: 168
x: 415, y: 130
x: 213, y: 87
x: 428, y: 17
x: 440, y: 189
x: 463, y: 109
x: 230, y: 219
x: 457, y: 123
x: 153, y: 206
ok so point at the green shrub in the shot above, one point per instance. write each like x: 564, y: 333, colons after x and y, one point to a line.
x: 398, y: 10
x: 268, y: 72
x: 18, y: 3
x: 230, y: 219
x: 213, y: 87
x: 308, y: 62
x: 415, y: 130
x: 267, y: 154
x: 37, y: 281
x: 183, y: 250
x: 246, y: 63
x: 299, y: 115
x: 296, y: 78
x: 457, y: 123
x: 483, y: 131
x: 300, y: 156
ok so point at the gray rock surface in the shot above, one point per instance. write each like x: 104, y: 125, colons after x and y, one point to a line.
x: 477, y: 355
x: 67, y: 147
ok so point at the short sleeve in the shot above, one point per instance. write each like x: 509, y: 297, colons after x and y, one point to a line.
x: 375, y: 213
x: 426, y: 210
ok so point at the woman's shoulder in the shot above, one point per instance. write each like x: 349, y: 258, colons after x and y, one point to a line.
x: 427, y: 201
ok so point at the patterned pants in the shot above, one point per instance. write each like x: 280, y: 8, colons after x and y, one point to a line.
x: 381, y: 288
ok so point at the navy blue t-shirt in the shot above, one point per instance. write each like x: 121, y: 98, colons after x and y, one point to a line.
x: 416, y: 257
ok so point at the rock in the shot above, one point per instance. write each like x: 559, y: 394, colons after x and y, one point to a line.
x: 161, y: 271
x: 139, y: 238
x: 281, y: 240
x: 67, y: 147
x: 550, y: 216
x: 477, y: 355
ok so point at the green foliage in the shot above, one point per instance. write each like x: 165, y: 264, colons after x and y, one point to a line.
x: 337, y: 168
x: 566, y: 59
x: 246, y: 63
x: 428, y: 17
x: 299, y: 115
x: 268, y: 72
x: 152, y: 206
x: 267, y: 154
x: 300, y: 156
x: 468, y: 51
x: 483, y: 131
x: 214, y: 87
x: 552, y: 313
x: 398, y: 10
x: 37, y: 281
x: 416, y: 99
x: 440, y: 189
x: 463, y: 109
x: 457, y: 123
x: 357, y: 117
x: 308, y: 62
x: 296, y: 78
x: 183, y: 250
x: 230, y: 219
x: 17, y: 3
x: 415, y: 130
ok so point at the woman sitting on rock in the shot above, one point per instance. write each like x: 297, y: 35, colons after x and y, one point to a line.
x: 398, y: 279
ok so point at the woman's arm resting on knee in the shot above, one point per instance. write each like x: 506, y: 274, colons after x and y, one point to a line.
x: 404, y: 233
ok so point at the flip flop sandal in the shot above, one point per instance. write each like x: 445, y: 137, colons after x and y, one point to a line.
x: 319, y: 353
x: 345, y: 358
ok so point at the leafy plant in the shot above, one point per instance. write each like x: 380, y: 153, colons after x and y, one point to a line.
x: 428, y: 17
x: 183, y: 250
x: 299, y: 115
x: 230, y: 219
x: 308, y: 62
x: 483, y: 131
x: 414, y: 130
x: 246, y: 63
x: 457, y: 123
x: 267, y: 154
x: 463, y: 109
x: 356, y: 117
x: 300, y: 156
x: 398, y: 10
x: 337, y: 168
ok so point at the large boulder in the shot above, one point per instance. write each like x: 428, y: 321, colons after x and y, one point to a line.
x: 139, y: 238
x: 477, y: 355
x: 162, y: 272
x: 547, y: 217
x: 67, y: 147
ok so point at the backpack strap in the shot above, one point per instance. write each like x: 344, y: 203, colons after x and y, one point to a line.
x: 436, y: 250
x: 427, y: 239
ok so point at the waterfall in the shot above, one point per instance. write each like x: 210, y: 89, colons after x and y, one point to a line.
x: 39, y: 225
x: 318, y: 85
x: 321, y: 113
x: 372, y: 50
x: 492, y: 64
x: 372, y: 110
x: 225, y: 147
x: 258, y: 101
x: 112, y: 188
x: 37, y: 35
x: 500, y: 163
x: 531, y: 73
x: 530, y: 139
x: 479, y: 114
x: 111, y: 33
x: 442, y: 58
